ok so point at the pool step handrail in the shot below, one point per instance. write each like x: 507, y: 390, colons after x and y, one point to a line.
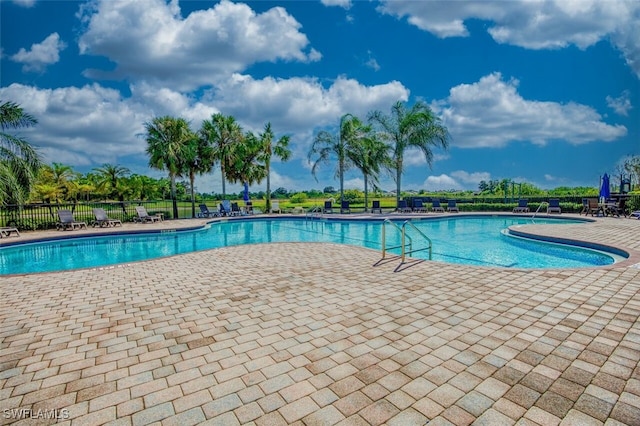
x: 384, y: 236
x: 422, y: 234
x: 538, y: 209
x: 405, y: 239
x: 314, y: 211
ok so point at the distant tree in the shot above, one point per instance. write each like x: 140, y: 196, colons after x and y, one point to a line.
x: 367, y: 153
x: 168, y: 145
x: 200, y: 162
x: 280, y: 193
x: 329, y: 190
x: 245, y: 165
x: 271, y: 147
x: 416, y: 127
x: 108, y: 176
x: 329, y: 147
x: 222, y: 133
x: 19, y: 161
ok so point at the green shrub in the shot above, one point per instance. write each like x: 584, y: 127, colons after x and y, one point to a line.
x: 298, y: 198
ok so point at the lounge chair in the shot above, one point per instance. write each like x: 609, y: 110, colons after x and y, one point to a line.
x: 6, y: 231
x: 328, y: 207
x: 144, y: 217
x: 418, y: 206
x: 225, y: 208
x: 376, y: 206
x: 522, y: 207
x: 635, y: 215
x: 554, y: 206
x: 235, y: 210
x: 403, y: 207
x: 592, y: 207
x: 585, y: 206
x: 68, y: 222
x: 205, y: 212
x: 618, y: 209
x: 452, y: 206
x: 436, y: 207
x: 248, y: 207
x: 275, y: 207
x: 102, y: 220
x: 344, y: 207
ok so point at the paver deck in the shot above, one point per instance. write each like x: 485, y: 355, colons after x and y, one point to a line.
x: 322, y: 334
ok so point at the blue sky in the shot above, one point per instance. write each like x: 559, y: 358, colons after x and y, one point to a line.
x: 544, y: 92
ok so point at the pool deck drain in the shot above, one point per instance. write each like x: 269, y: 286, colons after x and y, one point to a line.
x: 297, y: 333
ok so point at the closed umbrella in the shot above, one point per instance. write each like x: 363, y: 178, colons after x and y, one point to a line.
x: 245, y: 196
x: 605, y: 192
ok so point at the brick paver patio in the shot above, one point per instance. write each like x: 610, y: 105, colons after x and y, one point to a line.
x: 323, y: 334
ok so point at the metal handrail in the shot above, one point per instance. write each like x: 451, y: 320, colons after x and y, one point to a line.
x: 422, y: 234
x: 538, y: 209
x: 384, y: 237
x: 315, y: 211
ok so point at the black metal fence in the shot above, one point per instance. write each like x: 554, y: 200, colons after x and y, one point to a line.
x: 45, y: 216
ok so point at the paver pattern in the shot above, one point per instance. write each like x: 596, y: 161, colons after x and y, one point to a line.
x: 323, y: 334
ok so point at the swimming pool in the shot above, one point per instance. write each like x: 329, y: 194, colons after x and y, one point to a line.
x: 466, y: 240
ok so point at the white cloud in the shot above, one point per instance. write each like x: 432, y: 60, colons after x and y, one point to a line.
x: 622, y: 104
x: 471, y: 178
x: 542, y: 24
x: 346, y: 4
x: 93, y: 124
x: 299, y: 104
x: 150, y: 40
x: 372, y: 63
x: 97, y: 124
x: 355, y: 183
x: 25, y: 3
x: 442, y: 182
x: 491, y: 113
x: 41, y: 54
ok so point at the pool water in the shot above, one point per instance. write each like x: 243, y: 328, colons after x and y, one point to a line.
x: 464, y: 240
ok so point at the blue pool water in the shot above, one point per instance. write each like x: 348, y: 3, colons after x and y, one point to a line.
x: 465, y: 240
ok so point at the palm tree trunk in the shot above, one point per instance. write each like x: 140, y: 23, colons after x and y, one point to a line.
x: 173, y: 196
x: 192, y: 178
x: 398, y: 183
x: 224, y: 192
x: 268, y: 194
x: 341, y: 171
x: 366, y: 198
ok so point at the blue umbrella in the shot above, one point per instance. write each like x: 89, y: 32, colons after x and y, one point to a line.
x: 605, y: 192
x: 245, y: 196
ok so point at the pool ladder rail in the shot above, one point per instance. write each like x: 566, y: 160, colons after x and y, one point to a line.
x: 405, y: 240
x: 538, y: 209
x: 315, y: 211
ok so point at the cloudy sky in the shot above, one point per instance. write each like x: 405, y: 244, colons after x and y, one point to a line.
x: 546, y: 92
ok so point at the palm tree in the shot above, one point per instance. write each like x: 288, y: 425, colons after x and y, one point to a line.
x: 280, y: 149
x: 326, y: 145
x: 369, y: 154
x: 108, y: 177
x: 246, y: 165
x: 416, y: 127
x: 222, y: 132
x: 201, y: 162
x: 19, y: 161
x: 169, y: 145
